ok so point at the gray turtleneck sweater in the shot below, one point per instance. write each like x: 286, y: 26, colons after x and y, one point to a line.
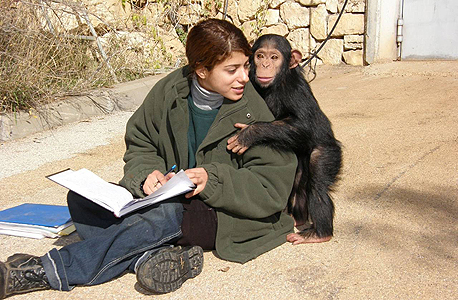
x: 203, y: 108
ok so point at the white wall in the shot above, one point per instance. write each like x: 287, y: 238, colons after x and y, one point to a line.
x: 430, y: 29
x: 381, y: 24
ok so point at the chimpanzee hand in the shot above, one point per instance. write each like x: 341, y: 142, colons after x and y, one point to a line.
x: 234, y: 144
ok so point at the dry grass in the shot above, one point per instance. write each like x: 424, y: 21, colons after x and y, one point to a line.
x: 34, y: 64
x: 38, y: 65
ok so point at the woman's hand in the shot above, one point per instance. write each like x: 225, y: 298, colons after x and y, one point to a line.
x: 199, y: 177
x: 233, y: 142
x: 155, y: 180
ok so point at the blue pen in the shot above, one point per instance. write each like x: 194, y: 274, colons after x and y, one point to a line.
x: 170, y: 170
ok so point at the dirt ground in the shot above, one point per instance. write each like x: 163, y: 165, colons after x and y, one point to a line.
x: 396, y: 230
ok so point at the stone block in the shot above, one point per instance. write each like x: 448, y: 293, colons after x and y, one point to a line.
x: 231, y: 13
x: 354, y: 6
x: 110, y: 11
x: 276, y: 3
x: 331, y: 54
x: 294, y: 15
x: 313, y: 43
x: 300, y: 40
x: 272, y: 17
x: 311, y: 2
x: 248, y: 30
x: 332, y: 6
x: 353, y: 42
x: 319, y: 22
x: 354, y: 57
x: 247, y: 9
x: 280, y: 29
x: 348, y: 24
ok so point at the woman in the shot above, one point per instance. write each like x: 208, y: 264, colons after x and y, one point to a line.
x: 236, y: 208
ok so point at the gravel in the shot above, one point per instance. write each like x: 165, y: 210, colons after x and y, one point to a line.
x: 64, y: 142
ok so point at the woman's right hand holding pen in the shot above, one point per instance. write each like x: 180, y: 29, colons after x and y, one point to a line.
x: 156, y: 179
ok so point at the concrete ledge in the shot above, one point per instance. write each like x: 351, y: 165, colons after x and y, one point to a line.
x: 122, y: 97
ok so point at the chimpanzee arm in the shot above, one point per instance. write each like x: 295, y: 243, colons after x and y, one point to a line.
x: 279, y: 134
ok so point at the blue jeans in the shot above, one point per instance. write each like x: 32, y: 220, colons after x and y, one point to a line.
x: 110, y: 245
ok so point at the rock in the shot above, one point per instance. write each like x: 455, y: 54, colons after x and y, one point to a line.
x: 231, y: 13
x: 189, y: 14
x: 280, y: 29
x: 354, y: 58
x: 300, y: 40
x: 272, y: 17
x: 353, y: 42
x: 160, y: 49
x: 247, y: 9
x: 311, y: 2
x: 108, y: 11
x: 355, y: 6
x: 348, y: 24
x: 154, y: 13
x: 276, y: 3
x: 319, y: 22
x: 332, y: 6
x: 294, y: 15
x: 332, y: 52
x: 248, y: 29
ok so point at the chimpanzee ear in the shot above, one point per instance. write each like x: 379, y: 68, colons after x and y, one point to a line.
x: 296, y: 57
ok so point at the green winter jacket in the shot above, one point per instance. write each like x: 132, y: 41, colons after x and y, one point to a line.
x: 249, y: 191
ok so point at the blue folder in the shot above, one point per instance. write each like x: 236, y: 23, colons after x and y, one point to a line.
x: 36, y: 214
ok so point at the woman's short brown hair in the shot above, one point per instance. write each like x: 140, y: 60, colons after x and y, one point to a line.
x: 212, y: 41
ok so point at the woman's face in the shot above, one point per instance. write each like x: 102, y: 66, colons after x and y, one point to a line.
x: 228, y: 78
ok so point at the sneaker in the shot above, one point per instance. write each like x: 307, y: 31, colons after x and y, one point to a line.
x: 166, y: 270
x: 22, y: 273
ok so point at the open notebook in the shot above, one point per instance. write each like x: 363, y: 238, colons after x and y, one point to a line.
x: 114, y: 197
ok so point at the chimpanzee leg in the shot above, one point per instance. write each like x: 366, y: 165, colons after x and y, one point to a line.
x: 320, y: 208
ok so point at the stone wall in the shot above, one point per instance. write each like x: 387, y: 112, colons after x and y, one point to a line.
x: 305, y: 23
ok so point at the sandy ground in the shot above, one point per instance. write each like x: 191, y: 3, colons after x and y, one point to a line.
x: 396, y: 205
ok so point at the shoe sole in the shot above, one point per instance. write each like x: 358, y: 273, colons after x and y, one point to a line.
x: 3, y: 282
x: 167, y: 270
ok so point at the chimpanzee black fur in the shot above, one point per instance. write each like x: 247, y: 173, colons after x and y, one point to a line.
x: 300, y: 126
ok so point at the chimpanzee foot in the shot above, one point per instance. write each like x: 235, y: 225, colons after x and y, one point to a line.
x: 297, y: 239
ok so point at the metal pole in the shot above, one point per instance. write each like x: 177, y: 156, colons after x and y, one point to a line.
x: 400, y: 26
x: 99, y: 45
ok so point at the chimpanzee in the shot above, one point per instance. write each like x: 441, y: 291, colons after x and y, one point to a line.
x: 300, y: 126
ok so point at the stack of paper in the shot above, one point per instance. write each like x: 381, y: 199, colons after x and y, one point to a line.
x: 36, y: 221
x: 116, y: 198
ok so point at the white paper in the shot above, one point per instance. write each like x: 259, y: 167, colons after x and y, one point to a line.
x: 116, y: 198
